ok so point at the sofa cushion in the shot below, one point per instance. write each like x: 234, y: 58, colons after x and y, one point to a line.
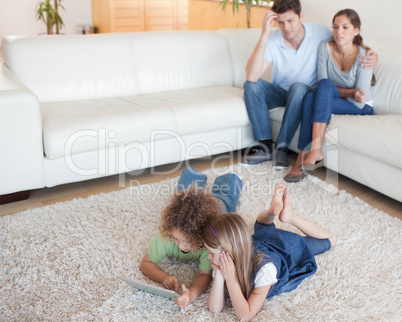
x: 61, y: 68
x: 84, y: 126
x: 175, y: 60
x: 81, y: 67
x: 386, y: 93
x: 374, y: 136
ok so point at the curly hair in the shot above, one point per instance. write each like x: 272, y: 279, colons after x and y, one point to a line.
x: 188, y: 212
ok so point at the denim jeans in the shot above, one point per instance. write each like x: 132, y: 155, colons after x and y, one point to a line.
x: 319, y: 106
x: 226, y: 188
x: 262, y: 96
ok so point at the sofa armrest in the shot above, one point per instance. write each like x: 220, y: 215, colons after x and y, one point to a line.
x: 21, y: 158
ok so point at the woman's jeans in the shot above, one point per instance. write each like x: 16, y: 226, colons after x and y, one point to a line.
x: 226, y: 188
x: 262, y: 96
x: 318, y: 107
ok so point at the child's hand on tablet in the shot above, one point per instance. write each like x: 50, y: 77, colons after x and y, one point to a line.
x: 171, y: 282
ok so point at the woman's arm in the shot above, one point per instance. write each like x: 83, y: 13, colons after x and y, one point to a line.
x: 357, y: 95
x: 323, y: 56
x: 346, y: 92
x: 363, y: 84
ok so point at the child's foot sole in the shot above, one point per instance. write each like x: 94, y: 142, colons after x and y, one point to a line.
x: 276, y: 203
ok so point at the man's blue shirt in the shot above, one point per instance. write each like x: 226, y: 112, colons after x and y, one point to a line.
x: 295, y: 66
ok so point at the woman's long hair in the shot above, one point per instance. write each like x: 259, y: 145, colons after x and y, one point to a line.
x: 229, y: 233
x: 356, y: 23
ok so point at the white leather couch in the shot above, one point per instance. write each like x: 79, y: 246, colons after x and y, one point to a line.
x: 74, y: 108
x: 78, y: 107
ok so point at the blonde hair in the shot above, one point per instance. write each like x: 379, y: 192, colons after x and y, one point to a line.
x: 229, y: 233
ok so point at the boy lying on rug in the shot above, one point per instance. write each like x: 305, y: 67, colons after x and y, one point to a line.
x: 271, y: 261
x: 180, y: 231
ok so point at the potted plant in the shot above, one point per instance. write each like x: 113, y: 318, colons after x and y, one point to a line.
x: 49, y: 14
x: 247, y: 3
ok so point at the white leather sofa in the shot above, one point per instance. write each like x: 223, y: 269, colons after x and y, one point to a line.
x: 78, y: 107
x: 73, y: 108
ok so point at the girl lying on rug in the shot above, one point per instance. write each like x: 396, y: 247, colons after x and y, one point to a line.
x: 271, y: 261
x: 182, y: 224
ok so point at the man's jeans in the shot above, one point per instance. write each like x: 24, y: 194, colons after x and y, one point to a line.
x: 319, y: 106
x: 262, y: 96
x: 226, y: 188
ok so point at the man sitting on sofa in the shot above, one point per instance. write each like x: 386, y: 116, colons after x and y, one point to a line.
x: 292, y: 49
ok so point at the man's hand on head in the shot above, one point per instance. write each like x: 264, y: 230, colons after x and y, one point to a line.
x: 268, y: 22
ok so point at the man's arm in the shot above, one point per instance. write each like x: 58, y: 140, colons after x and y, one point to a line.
x: 153, y: 271
x: 256, y: 64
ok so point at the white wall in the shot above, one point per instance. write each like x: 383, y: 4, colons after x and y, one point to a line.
x: 380, y: 19
x: 18, y: 17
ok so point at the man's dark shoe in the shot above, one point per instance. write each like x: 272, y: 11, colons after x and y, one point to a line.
x: 252, y: 150
x: 281, y: 159
x: 259, y: 156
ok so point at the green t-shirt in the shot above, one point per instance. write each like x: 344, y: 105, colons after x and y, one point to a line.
x: 160, y: 248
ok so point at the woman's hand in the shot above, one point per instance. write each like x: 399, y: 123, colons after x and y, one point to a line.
x: 359, y: 95
x: 171, y: 282
x: 227, y: 267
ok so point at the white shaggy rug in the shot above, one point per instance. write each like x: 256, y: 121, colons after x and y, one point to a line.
x: 61, y: 262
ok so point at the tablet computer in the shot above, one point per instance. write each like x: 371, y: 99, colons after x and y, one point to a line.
x: 150, y: 288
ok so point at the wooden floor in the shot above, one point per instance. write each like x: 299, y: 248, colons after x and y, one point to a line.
x: 47, y: 196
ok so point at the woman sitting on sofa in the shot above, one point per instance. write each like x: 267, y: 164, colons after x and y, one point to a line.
x: 343, y: 88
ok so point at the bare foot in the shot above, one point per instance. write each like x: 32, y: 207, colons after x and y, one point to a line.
x: 268, y: 216
x: 295, y: 170
x: 313, y: 156
x: 287, y: 213
x: 276, y: 203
